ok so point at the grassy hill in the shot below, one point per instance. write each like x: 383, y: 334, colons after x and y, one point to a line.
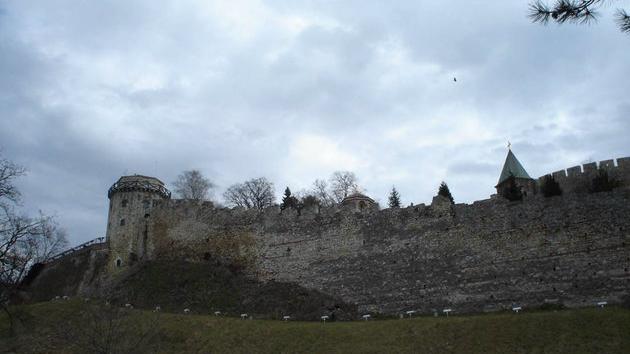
x: 202, y: 287
x: 75, y: 327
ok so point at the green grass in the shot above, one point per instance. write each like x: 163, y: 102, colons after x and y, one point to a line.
x: 58, y: 327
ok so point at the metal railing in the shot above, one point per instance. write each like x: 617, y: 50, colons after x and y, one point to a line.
x: 139, y: 185
x: 96, y: 241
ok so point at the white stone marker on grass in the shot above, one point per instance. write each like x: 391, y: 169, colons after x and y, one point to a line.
x: 410, y: 313
x: 324, y: 318
x: 366, y: 317
x: 447, y: 311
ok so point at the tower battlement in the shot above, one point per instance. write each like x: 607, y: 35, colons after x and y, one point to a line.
x: 139, y: 183
x: 577, y: 179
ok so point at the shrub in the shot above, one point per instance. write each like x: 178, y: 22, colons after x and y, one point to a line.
x: 550, y: 187
x: 511, y: 191
x: 602, y: 182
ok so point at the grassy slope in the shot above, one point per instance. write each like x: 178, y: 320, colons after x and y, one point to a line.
x: 206, y: 287
x: 569, y: 331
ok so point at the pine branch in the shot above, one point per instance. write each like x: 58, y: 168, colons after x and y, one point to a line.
x: 623, y: 20
x: 573, y: 11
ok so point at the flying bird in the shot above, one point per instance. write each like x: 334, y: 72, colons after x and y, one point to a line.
x: 455, y: 79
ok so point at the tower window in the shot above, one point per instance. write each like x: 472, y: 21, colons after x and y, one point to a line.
x: 118, y: 262
x: 122, y: 222
x: 124, y: 203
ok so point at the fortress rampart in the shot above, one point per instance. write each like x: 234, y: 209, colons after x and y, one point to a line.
x: 490, y: 255
x: 493, y: 254
x: 577, y: 179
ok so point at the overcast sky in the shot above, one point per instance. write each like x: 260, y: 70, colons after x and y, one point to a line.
x: 294, y: 90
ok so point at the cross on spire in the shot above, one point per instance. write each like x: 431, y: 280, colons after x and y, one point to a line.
x: 509, y: 145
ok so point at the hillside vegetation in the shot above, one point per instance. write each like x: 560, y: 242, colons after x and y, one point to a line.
x: 76, y: 326
x: 203, y: 287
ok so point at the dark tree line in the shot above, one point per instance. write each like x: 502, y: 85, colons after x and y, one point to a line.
x: 259, y: 193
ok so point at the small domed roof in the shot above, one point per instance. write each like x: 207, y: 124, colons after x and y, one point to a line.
x: 140, y: 178
x: 355, y: 197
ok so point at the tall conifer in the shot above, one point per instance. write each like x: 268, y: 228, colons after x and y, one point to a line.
x: 445, y: 192
x: 288, y: 201
x: 394, y: 198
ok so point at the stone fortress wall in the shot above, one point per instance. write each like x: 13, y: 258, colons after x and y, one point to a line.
x: 577, y: 179
x: 493, y: 254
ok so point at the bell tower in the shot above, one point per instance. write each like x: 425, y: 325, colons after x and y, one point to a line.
x: 131, y: 199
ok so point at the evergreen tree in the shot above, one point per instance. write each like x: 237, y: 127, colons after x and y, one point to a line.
x: 394, y: 198
x: 550, y: 187
x: 511, y: 191
x: 309, y: 201
x: 288, y: 201
x: 445, y: 192
x: 603, y: 183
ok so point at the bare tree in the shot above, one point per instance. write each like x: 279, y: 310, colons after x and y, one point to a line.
x: 342, y: 184
x: 256, y: 193
x: 193, y: 185
x: 321, y: 192
x: 9, y: 171
x: 108, y: 329
x: 236, y: 195
x: 23, y: 240
x: 574, y: 11
x: 52, y: 240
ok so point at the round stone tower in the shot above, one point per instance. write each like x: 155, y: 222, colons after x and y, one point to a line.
x: 130, y: 202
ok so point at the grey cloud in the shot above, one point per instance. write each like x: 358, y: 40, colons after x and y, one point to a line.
x: 474, y: 168
x: 90, y: 91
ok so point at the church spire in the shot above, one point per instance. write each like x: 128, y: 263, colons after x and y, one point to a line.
x: 512, y: 167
